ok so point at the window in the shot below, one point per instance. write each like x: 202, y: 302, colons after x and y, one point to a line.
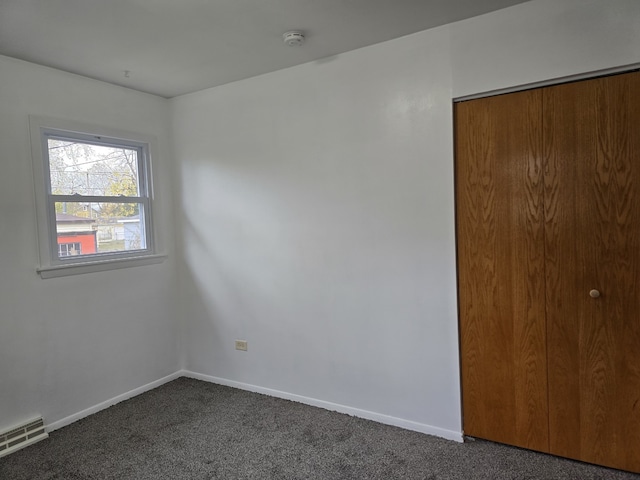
x: 93, y: 195
x: 68, y: 249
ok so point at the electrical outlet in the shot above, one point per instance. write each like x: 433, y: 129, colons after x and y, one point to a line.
x: 241, y: 345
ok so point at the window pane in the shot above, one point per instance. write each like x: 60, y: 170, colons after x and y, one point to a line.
x: 86, y: 169
x: 89, y: 228
x: 69, y: 249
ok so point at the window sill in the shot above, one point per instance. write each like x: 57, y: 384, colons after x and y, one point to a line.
x: 98, y: 266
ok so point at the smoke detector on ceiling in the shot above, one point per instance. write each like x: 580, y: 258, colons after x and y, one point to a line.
x: 293, y: 38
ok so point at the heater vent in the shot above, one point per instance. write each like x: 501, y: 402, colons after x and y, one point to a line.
x: 22, y: 436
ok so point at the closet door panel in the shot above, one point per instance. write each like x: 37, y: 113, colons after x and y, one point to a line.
x: 499, y: 189
x: 592, y: 243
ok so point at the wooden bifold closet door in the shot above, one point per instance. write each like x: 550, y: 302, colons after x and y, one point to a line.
x: 548, y: 225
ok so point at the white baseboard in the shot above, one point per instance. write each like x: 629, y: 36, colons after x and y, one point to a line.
x: 106, y: 404
x: 356, y: 412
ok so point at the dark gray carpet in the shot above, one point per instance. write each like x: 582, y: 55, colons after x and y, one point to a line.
x: 188, y: 429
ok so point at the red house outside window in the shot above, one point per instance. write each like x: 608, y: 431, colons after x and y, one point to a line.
x: 76, y: 235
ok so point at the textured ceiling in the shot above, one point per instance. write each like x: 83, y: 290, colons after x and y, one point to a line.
x: 172, y: 47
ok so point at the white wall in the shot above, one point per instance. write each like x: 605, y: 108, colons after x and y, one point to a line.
x: 67, y: 344
x: 541, y: 40
x: 318, y: 206
x: 315, y: 228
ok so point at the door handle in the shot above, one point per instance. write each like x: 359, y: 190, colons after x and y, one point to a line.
x: 594, y: 293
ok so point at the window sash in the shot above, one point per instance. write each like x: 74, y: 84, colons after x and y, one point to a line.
x: 143, y: 198
x: 145, y: 220
x: 96, y: 199
x: 142, y: 155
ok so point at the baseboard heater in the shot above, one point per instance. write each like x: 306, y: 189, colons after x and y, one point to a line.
x: 22, y: 436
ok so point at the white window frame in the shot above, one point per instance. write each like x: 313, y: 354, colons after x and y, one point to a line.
x: 51, y: 265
